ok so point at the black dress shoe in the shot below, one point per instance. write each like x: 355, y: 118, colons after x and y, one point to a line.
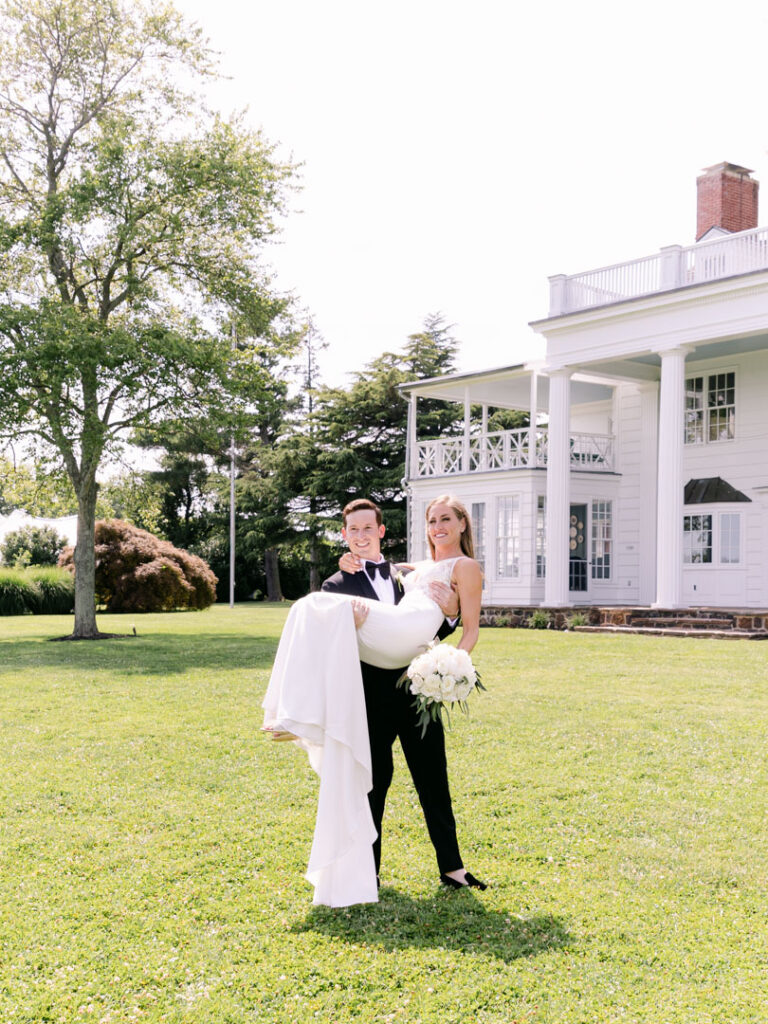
x: 469, y: 882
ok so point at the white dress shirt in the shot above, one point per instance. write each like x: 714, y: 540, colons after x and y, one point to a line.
x: 385, y: 589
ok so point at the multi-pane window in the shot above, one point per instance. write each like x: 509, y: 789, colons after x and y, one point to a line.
x: 710, y: 408
x: 697, y: 539
x: 602, y: 539
x: 541, y: 537
x: 721, y: 406
x: 730, y: 538
x: 694, y: 410
x: 478, y: 531
x: 508, y: 536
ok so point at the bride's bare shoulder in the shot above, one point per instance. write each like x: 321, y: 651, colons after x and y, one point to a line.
x: 467, y: 568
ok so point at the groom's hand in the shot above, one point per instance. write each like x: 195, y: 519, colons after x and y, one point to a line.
x: 350, y: 563
x: 446, y: 597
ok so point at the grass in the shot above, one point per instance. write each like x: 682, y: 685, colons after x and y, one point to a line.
x: 611, y: 789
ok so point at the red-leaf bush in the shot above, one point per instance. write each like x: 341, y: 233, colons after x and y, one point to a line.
x: 137, y: 572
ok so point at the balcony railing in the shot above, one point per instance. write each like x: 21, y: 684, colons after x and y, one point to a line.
x: 507, y: 449
x: 673, y: 267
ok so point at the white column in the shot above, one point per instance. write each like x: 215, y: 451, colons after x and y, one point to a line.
x: 669, y: 518
x: 467, y: 416
x: 649, y: 454
x: 534, y: 405
x: 556, y: 593
x: 411, y: 471
x: 484, y: 439
x: 411, y: 455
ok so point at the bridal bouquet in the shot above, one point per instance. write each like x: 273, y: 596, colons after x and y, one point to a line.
x: 441, y: 676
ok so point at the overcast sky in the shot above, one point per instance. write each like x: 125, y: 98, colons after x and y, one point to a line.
x: 456, y: 154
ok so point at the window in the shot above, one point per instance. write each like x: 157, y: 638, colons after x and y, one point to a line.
x: 541, y: 537
x: 730, y: 538
x: 712, y: 539
x: 602, y: 538
x: 694, y: 410
x: 478, y: 531
x: 710, y: 408
x: 697, y: 539
x: 508, y: 536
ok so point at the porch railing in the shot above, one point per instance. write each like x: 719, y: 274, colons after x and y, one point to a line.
x: 507, y: 449
x: 673, y: 267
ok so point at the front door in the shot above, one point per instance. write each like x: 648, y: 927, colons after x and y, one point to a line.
x: 577, y: 544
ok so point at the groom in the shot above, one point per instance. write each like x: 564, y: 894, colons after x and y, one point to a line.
x: 389, y: 707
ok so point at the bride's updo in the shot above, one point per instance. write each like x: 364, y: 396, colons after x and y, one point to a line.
x: 459, y: 509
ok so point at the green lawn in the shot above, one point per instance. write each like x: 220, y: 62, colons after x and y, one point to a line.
x: 612, y: 791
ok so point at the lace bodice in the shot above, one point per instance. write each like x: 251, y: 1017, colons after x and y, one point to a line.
x: 427, y: 572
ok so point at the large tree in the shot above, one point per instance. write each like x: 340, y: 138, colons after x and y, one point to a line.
x: 131, y: 222
x: 353, y: 444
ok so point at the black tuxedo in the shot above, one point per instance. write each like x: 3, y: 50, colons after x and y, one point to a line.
x: 391, y: 715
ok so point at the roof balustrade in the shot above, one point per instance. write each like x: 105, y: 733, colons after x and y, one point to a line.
x: 673, y: 267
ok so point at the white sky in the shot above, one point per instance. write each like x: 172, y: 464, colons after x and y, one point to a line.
x: 457, y: 153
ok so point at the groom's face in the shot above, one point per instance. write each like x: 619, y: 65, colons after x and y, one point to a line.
x: 363, y: 534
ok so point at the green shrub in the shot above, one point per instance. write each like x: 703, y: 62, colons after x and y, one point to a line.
x: 56, y: 589
x: 540, y: 619
x: 136, y: 572
x: 32, y: 545
x: 36, y: 591
x: 577, y: 619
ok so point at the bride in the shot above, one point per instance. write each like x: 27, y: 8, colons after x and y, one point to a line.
x: 315, y: 694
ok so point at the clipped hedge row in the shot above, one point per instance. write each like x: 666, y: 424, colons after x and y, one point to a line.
x: 40, y: 590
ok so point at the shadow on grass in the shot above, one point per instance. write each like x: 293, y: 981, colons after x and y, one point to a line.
x: 455, y: 921
x: 159, y: 653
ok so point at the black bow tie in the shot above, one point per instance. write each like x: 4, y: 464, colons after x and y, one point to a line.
x: 372, y: 567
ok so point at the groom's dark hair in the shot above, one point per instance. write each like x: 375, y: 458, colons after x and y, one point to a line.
x: 359, y: 505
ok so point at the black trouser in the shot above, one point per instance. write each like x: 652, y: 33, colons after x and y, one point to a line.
x: 391, y: 715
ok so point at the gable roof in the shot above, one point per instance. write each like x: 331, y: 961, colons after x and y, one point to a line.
x: 710, y: 489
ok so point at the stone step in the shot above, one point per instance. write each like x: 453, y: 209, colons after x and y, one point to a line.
x: 680, y: 622
x: 715, y: 634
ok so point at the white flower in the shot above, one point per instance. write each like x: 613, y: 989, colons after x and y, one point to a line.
x: 464, y: 689
x: 448, y: 688
x: 431, y: 686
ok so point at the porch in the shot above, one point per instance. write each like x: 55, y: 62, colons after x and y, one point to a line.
x: 701, y: 623
x: 507, y: 449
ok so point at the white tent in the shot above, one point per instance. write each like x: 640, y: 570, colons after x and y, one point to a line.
x: 65, y: 525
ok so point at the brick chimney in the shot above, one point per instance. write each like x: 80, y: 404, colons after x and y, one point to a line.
x: 727, y: 199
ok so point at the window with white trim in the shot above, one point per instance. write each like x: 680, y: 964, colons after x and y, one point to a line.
x: 730, y: 538
x: 710, y: 408
x: 508, y: 536
x: 697, y: 540
x: 602, y: 539
x: 712, y: 539
x: 541, y: 537
x: 478, y: 531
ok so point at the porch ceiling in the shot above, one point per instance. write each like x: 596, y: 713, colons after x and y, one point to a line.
x: 504, y: 388
x: 648, y: 365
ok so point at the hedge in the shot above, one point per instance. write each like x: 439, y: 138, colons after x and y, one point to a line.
x: 40, y: 590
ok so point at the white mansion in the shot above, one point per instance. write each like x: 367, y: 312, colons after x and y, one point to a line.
x: 643, y: 478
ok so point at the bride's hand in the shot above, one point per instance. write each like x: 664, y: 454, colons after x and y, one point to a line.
x: 350, y: 563
x: 360, y: 611
x: 446, y: 598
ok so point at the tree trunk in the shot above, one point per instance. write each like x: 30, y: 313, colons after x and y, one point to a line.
x: 85, y: 564
x: 314, y: 569
x: 314, y: 553
x: 272, y: 572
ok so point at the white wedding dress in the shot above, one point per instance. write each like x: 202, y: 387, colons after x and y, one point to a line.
x: 316, y: 693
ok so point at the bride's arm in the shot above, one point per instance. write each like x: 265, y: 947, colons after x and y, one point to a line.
x: 469, y: 581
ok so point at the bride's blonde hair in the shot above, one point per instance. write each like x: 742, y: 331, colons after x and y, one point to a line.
x: 459, y: 509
